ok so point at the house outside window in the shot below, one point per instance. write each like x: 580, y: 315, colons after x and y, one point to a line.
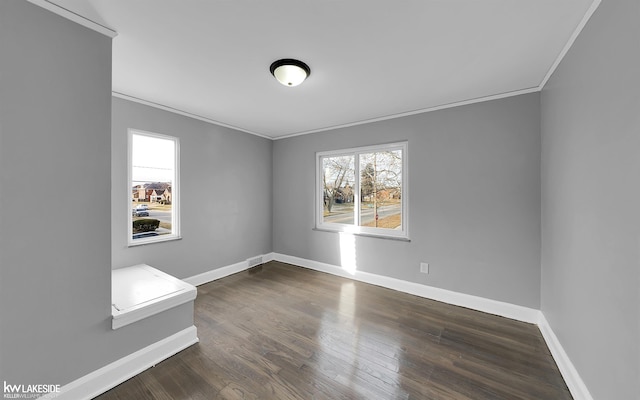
x: 153, y: 187
x: 363, y: 190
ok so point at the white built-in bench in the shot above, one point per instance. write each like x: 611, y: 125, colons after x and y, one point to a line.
x: 141, y: 291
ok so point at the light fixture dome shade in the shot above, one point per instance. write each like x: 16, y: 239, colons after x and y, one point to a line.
x: 290, y: 72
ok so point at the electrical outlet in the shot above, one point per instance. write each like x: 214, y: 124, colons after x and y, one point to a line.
x: 424, y: 268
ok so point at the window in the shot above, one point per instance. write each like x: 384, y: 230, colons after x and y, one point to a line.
x: 153, y: 188
x: 363, y: 190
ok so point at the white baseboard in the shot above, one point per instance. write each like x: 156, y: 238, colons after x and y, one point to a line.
x: 215, y: 274
x: 575, y: 384
x: 219, y: 273
x: 109, y: 376
x: 269, y: 257
x: 571, y: 377
x: 490, y: 306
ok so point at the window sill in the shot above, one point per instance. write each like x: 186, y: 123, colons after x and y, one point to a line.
x: 365, y: 234
x: 155, y: 239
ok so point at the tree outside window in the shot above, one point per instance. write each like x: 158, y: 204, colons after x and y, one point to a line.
x: 362, y: 190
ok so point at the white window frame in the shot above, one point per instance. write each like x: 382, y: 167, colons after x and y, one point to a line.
x: 398, y: 234
x: 175, y: 191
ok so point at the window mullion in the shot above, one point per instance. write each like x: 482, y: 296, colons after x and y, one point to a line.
x: 320, y: 199
x: 356, y: 184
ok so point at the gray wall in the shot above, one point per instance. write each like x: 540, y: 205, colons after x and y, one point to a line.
x: 475, y: 200
x: 225, y: 188
x: 474, y: 176
x: 55, y: 219
x: 590, y: 197
x: 54, y: 144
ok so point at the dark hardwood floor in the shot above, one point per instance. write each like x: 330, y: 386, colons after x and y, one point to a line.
x: 285, y: 332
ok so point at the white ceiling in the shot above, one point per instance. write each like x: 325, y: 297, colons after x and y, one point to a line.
x: 369, y: 59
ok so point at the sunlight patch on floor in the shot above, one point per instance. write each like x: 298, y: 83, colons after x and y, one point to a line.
x: 348, y: 252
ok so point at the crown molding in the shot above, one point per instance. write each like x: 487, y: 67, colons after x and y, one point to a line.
x: 66, y: 13
x: 77, y: 18
x: 414, y: 112
x: 587, y: 16
x: 184, y: 113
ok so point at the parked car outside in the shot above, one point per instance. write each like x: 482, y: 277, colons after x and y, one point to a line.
x: 140, y: 213
x: 142, y: 207
x: 144, y: 235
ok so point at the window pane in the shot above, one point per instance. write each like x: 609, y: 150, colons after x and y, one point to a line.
x: 362, y: 191
x: 381, y: 189
x: 338, y: 179
x: 152, y: 180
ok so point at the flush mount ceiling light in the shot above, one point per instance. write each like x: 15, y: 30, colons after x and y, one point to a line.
x: 290, y: 72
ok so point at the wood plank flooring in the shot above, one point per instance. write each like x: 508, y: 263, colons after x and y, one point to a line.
x: 284, y: 332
